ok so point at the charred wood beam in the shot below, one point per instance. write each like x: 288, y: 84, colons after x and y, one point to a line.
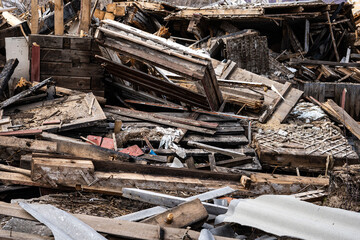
x: 25, y: 93
x: 6, y: 74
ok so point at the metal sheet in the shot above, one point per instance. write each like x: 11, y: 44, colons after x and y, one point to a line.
x: 288, y: 216
x: 140, y: 215
x: 63, y: 225
x: 166, y: 200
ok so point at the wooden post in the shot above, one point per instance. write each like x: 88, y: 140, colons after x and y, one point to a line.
x: 59, y: 17
x: 85, y: 16
x: 35, y: 63
x: 307, y: 35
x: 34, y: 17
x: 332, y: 37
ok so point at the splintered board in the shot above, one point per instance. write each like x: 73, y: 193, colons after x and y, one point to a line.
x: 59, y: 114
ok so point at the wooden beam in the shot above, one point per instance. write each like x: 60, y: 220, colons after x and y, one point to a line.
x: 15, y: 169
x: 77, y: 150
x: 6, y: 74
x: 187, y: 214
x: 34, y: 16
x: 59, y: 17
x: 321, y: 62
x: 124, y: 229
x: 342, y: 116
x: 85, y: 19
x: 275, y: 103
x: 155, y: 118
x: 10, y: 234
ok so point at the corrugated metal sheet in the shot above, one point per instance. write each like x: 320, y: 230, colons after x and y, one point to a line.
x: 287, y: 216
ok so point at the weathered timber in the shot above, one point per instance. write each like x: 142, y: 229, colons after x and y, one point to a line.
x: 85, y: 18
x: 321, y: 62
x: 284, y: 107
x: 164, y: 54
x: 216, y: 13
x: 215, y: 149
x: 59, y: 17
x: 77, y: 150
x: 186, y: 214
x: 6, y: 73
x: 34, y: 17
x: 9, y: 168
x: 275, y: 103
x: 152, y: 83
x: 159, y: 119
x: 69, y: 13
x: 342, y: 116
x: 123, y: 229
x: 25, y: 93
x: 66, y: 172
x: 10, y: 234
x: 59, y: 112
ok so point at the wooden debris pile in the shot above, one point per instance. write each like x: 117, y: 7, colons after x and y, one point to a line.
x: 177, y: 107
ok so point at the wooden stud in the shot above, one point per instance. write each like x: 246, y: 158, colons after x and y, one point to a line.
x: 34, y: 17
x: 59, y: 17
x: 307, y: 35
x: 332, y: 37
x: 85, y: 16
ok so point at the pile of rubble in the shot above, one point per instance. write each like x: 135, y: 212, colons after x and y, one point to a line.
x: 177, y: 119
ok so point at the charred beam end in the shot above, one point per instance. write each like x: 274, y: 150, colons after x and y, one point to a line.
x: 25, y: 93
x: 6, y: 74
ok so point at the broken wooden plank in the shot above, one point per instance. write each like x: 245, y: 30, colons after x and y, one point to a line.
x: 11, y: 19
x: 72, y: 111
x: 275, y: 103
x: 31, y: 132
x: 322, y: 62
x: 284, y: 108
x: 67, y: 172
x: 157, y: 210
x: 154, y: 118
x: 332, y: 37
x: 34, y: 17
x: 10, y: 234
x: 342, y: 116
x: 216, y: 13
x: 77, y: 150
x: 59, y: 17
